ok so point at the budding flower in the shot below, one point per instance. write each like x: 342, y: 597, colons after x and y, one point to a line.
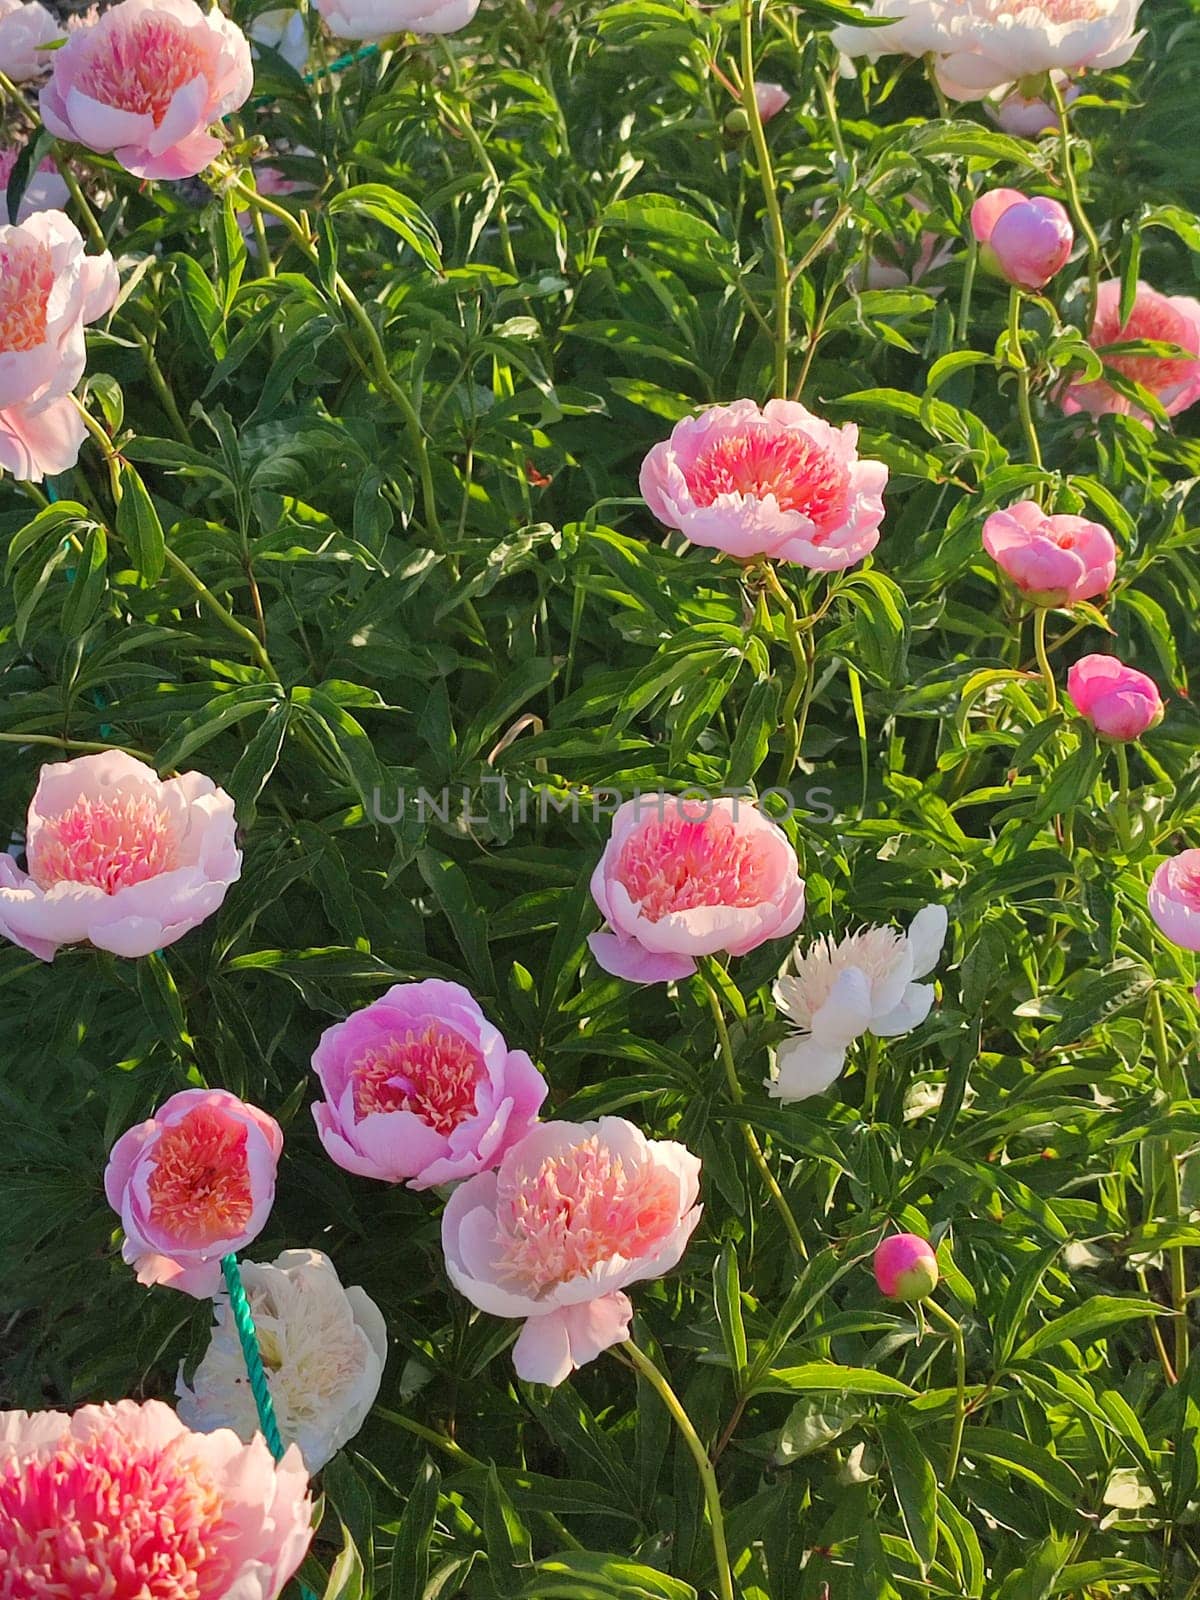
x: 1024, y: 240
x: 906, y: 1268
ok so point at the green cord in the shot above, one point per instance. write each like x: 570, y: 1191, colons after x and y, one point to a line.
x: 350, y: 59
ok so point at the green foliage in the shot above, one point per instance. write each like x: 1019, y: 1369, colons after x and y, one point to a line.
x: 384, y: 575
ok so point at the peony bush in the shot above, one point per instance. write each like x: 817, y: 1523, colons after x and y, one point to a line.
x: 601, y: 799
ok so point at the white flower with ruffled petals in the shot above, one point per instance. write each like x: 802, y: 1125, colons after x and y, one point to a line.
x: 324, y: 1349
x: 834, y: 993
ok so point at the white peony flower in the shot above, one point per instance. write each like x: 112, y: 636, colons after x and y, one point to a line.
x: 980, y: 45
x: 283, y: 31
x: 324, y: 1348
x: 835, y: 992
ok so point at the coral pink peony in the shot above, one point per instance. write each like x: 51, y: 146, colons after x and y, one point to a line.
x: 576, y: 1213
x: 146, y: 82
x: 118, y: 858
x: 420, y: 1087
x: 26, y: 28
x: 770, y: 98
x: 1054, y: 561
x: 377, y: 19
x: 1119, y: 702
x: 48, y: 290
x: 685, y: 878
x: 1174, y: 380
x: 45, y: 191
x: 1024, y: 239
x: 123, y: 1502
x: 777, y: 482
x: 906, y: 1268
x: 1175, y: 899
x: 192, y: 1184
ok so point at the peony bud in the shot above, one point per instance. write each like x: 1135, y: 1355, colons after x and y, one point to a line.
x: 1118, y: 701
x: 906, y: 1268
x: 1023, y: 240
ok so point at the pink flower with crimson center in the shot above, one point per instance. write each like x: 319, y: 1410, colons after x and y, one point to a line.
x: 1174, y: 898
x: 421, y: 1088
x: 49, y: 289
x: 194, y: 1183
x: 122, y: 1502
x: 1025, y: 240
x: 1172, y: 377
x: 118, y: 858
x: 777, y: 482
x: 1053, y: 560
x: 146, y: 81
x: 685, y: 878
x: 1118, y: 701
x: 576, y: 1213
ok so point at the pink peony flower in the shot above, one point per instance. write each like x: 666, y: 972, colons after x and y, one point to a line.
x: 48, y: 290
x: 45, y: 191
x: 283, y: 31
x: 1173, y: 379
x: 685, y: 878
x: 906, y: 1268
x: 777, y: 482
x: 420, y: 1087
x: 146, y: 82
x: 1119, y: 702
x: 123, y: 1500
x: 770, y: 98
x: 118, y: 858
x: 192, y: 1184
x: 1024, y: 239
x: 378, y: 19
x: 1029, y: 117
x: 26, y: 28
x: 576, y: 1213
x: 918, y: 28
x: 1054, y: 561
x: 1174, y: 899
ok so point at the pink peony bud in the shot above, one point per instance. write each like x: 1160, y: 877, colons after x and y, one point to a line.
x: 1119, y: 702
x: 1054, y: 561
x: 1029, y: 118
x: 770, y: 98
x: 906, y: 1268
x: 1023, y: 239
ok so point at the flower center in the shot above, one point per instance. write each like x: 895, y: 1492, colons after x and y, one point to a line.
x: 434, y: 1073
x: 758, y: 461
x: 1151, y: 318
x: 105, y: 1519
x: 26, y: 280
x: 802, y: 993
x: 140, y: 64
x: 200, y: 1187
x: 1054, y: 11
x: 109, y: 844
x: 573, y: 1211
x: 675, y: 863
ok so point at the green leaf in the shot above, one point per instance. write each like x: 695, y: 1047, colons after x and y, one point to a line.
x: 591, y: 1575
x: 1085, y: 1323
x: 396, y: 211
x: 915, y: 1484
x: 727, y: 1292
x: 826, y: 1377
x: 138, y: 526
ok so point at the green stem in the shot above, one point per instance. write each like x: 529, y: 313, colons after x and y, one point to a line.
x: 162, y: 388
x: 755, y: 1150
x: 799, y: 644
x: 708, y: 1476
x: 960, y: 1402
x: 1173, y: 1083
x: 90, y: 221
x: 968, y: 286
x: 1075, y: 202
x: 825, y: 88
x: 872, y: 1046
x: 1016, y: 355
x: 1122, y: 813
x: 84, y: 746
x: 766, y: 173
x: 378, y: 356
x: 1039, y: 645
x: 177, y: 563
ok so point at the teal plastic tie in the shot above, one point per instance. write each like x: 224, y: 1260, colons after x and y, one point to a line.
x: 243, y: 1321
